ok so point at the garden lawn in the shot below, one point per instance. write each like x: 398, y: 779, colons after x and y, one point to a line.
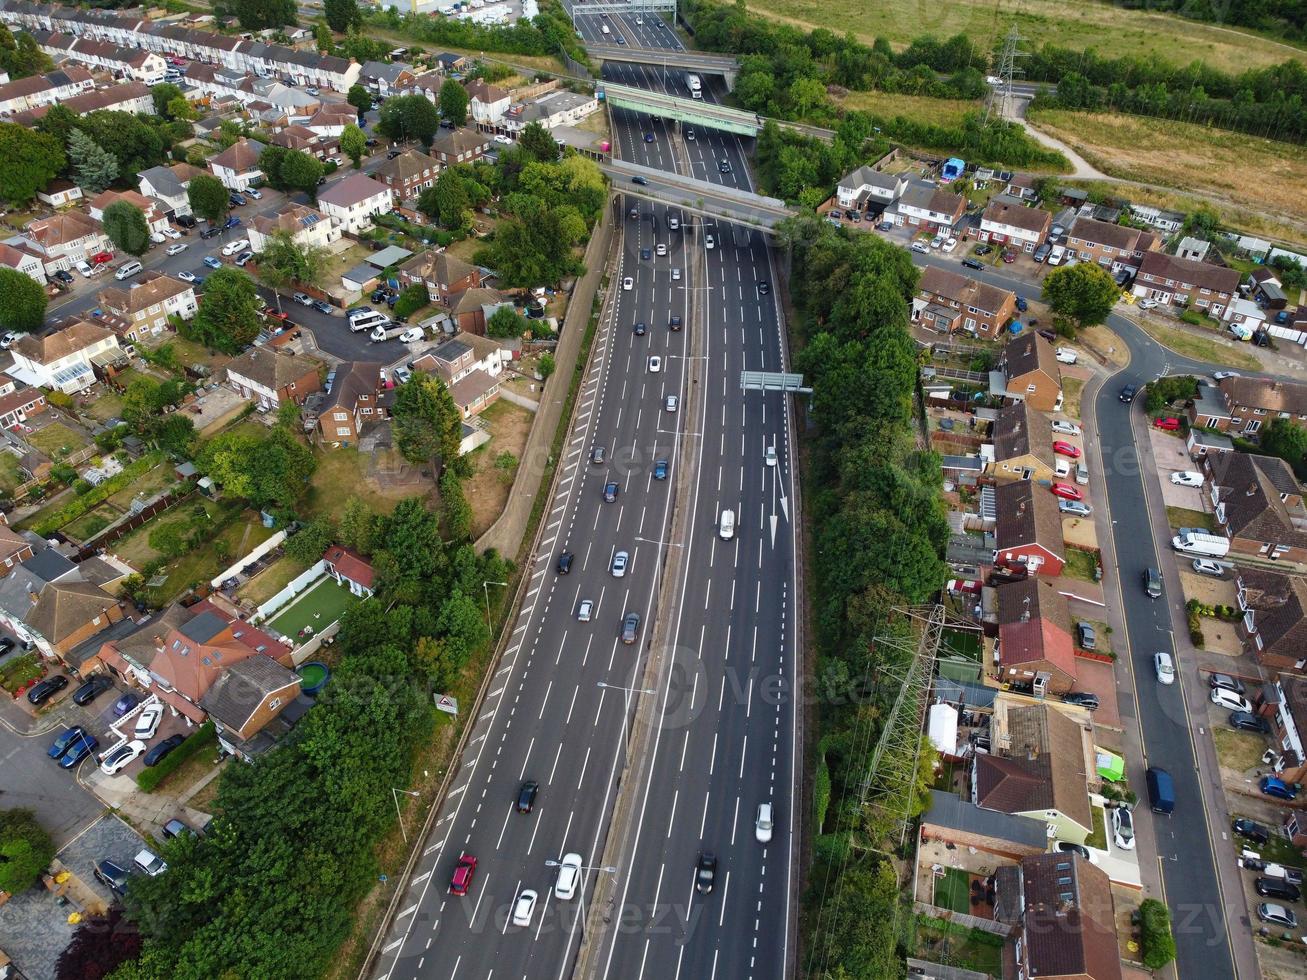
x: 1183, y: 517
x: 1239, y: 751
x: 1080, y: 564
x: 57, y: 440
x: 270, y: 581
x: 968, y: 949
x: 149, y: 484
x: 319, y: 606
x: 10, y: 475
x: 343, y: 473
x: 951, y: 890
x: 1098, y: 839
x: 91, y: 523
x: 104, y: 406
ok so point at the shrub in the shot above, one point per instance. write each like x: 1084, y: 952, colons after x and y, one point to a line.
x: 203, y: 737
x: 1155, y: 927
x: 58, y: 399
x: 80, y: 505
x: 26, y: 847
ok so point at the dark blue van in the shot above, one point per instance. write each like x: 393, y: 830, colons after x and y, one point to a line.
x: 1161, y: 791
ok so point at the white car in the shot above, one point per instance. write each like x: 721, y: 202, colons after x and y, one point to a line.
x: 254, y: 193
x: 1066, y: 428
x: 676, y: 275
x: 660, y: 249
x: 1147, y: 304
x: 150, y: 863
x: 1123, y: 829
x: 85, y: 269
x: 1222, y: 375
x: 177, y: 248
x: 937, y: 241
x: 411, y: 335
x: 186, y: 276
x: 503, y: 140
x: 672, y: 403
x: 655, y: 364
x: 770, y: 456
x: 628, y: 283
x: 1228, y: 699
x: 172, y: 233
x: 524, y: 908
x: 1187, y: 478
x: 620, y: 561
x: 156, y: 238
x: 239, y: 245
x: 569, y: 876
x: 1205, y: 566
x: 147, y: 722
x: 1165, y: 667
x: 1065, y: 355
x: 585, y: 610
x: 118, y: 759
x: 762, y: 827
x: 950, y: 245
x: 708, y: 241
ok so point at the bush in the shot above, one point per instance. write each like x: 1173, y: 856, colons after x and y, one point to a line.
x: 27, y: 850
x: 411, y: 300
x: 1157, y: 942
x: 77, y: 507
x: 1193, y: 317
x: 203, y: 737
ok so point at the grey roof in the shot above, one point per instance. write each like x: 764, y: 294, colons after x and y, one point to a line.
x: 363, y: 272
x: 871, y: 178
x: 966, y: 463
x: 240, y: 690
x: 203, y: 627
x: 1213, y: 440
x: 48, y: 565
x: 953, y: 812
x: 164, y: 181
x: 450, y: 350
x: 390, y: 255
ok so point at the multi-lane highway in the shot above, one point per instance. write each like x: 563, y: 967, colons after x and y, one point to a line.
x: 561, y: 704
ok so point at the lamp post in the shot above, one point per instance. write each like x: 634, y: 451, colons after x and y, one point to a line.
x: 485, y: 587
x: 626, y: 708
x: 394, y: 792
x: 606, y: 869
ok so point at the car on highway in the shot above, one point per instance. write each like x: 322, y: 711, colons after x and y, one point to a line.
x: 642, y: 181
x: 630, y: 627
x: 1076, y: 508
x: 1152, y: 579
x: 709, y: 241
x: 1066, y: 428
x: 525, y: 907
x: 147, y: 722
x: 461, y: 880
x: 112, y: 876
x: 44, y: 690
x: 96, y: 685
x: 1128, y: 393
x: 177, y: 248
x: 1066, y: 491
x: 64, y: 739
x: 1164, y: 667
x: 610, y: 492
x: 1123, y: 829
x: 585, y: 611
x: 1083, y: 699
x: 655, y: 364
x: 1244, y: 721
x: 763, y: 824
x: 1066, y: 449
x: 620, y: 561
x: 1251, y: 830
x: 640, y: 328
x: 1187, y: 478
x: 120, y: 758
x: 671, y: 403
x: 660, y: 249
x: 1228, y: 699
x: 769, y: 457
x: 674, y: 323
x: 159, y: 751
x: 597, y: 454
x: 689, y: 130
x: 1227, y: 682
x: 1277, y: 788
x: 1277, y: 915
x: 213, y: 262
x: 1065, y: 355
x: 724, y: 166
x: 705, y: 872
x: 564, y: 566
x: 764, y: 287
x: 1205, y: 566
x: 1168, y: 423
x: 660, y: 469
x: 648, y: 137
x: 569, y: 876
x: 676, y: 275
x: 526, y: 796
x: 646, y: 254
x: 628, y: 284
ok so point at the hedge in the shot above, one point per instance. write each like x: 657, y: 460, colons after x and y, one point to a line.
x: 1158, y: 945
x: 78, y: 506
x: 152, y: 777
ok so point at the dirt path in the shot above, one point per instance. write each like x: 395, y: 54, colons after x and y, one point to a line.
x: 1015, y: 111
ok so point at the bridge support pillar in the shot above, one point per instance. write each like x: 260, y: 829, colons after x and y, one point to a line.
x: 730, y: 77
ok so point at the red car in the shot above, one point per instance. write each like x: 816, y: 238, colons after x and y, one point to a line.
x: 1009, y: 257
x: 1066, y: 449
x: 1066, y: 492
x: 275, y: 314
x: 100, y: 258
x: 461, y: 880
x: 1169, y: 424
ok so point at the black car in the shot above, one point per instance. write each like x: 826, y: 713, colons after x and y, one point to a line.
x: 610, y: 492
x: 973, y: 263
x: 92, y: 689
x: 526, y: 796
x: 161, y: 749
x: 641, y: 328
x: 984, y: 249
x: 764, y: 287
x: 1250, y: 829
x: 369, y: 143
x: 112, y: 877
x: 565, y: 563
x: 724, y: 166
x: 705, y: 872
x: 237, y: 200
x: 210, y: 233
x: 1128, y: 393
x: 642, y: 181
x: 393, y: 153
x: 63, y: 277
x: 1227, y: 682
x: 630, y: 627
x: 646, y: 253
x: 6, y: 645
x: 674, y: 324
x: 1085, y: 699
x: 1246, y: 721
x: 185, y: 220
x: 47, y: 689
x: 1277, y: 888
x: 1066, y: 847
x: 175, y: 828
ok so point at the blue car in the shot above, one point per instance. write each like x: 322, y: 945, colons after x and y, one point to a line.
x: 78, y: 751
x: 660, y: 470
x: 232, y: 222
x: 212, y: 262
x: 125, y: 704
x: 60, y: 745
x: 1277, y: 788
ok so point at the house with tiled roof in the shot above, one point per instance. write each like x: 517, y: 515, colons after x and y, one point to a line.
x: 1175, y: 281
x: 443, y: 274
x: 331, y: 119
x: 1259, y: 506
x: 1033, y: 650
x: 69, y: 612
x: 34, y: 91
x: 245, y: 699
x: 1007, y: 220
x: 1027, y: 370
x: 148, y: 302
x: 18, y: 402
x: 306, y: 226
x: 133, y: 97
x: 1274, y: 621
x: 1243, y: 405
x: 924, y: 206
x: 948, y: 302
x: 298, y: 137
x: 156, y: 218
x: 353, y: 202
x: 354, y: 401
x: 386, y: 78
x: 487, y: 103
x: 453, y: 146
x: 22, y: 260
x: 238, y: 165
x: 867, y: 185
x: 14, y: 549
x: 408, y: 174
x: 1115, y: 247
x: 167, y: 186
x: 349, y: 568
x: 63, y: 359
x: 62, y: 240
x: 1021, y: 445
x: 270, y: 376
x: 1028, y: 528
x: 473, y: 308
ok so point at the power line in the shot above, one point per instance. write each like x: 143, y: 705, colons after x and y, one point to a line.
x: 1007, y: 69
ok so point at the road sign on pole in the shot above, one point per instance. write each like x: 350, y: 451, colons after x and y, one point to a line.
x: 445, y: 703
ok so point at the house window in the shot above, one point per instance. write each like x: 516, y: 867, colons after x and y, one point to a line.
x: 342, y: 431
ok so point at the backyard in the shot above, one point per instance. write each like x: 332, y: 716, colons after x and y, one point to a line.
x: 270, y: 581
x: 1080, y: 564
x: 951, y: 890
x: 316, y: 608
x: 10, y: 475
x: 492, y: 471
x: 345, y: 473
x: 57, y: 440
x: 970, y: 949
x: 1238, y: 751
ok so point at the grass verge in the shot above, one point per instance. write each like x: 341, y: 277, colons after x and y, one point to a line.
x: 1199, y: 348
x: 916, y: 108
x: 1240, y: 751
x: 1071, y: 389
x: 204, y: 737
x: 1184, y: 517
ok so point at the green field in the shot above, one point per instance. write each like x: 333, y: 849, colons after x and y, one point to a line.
x: 318, y: 607
x: 1077, y: 24
x: 917, y: 108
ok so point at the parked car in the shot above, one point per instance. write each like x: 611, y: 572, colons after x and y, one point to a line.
x: 111, y: 876
x: 1084, y: 699
x: 126, y: 703
x: 1168, y: 424
x: 1228, y: 699
x: 1250, y: 829
x: 461, y: 880
x: 1065, y: 355
x: 411, y: 335
x: 210, y: 233
x: 973, y: 263
x: 705, y: 872
x: 1244, y: 721
x: 96, y: 685
x: 950, y: 245
x: 1085, y: 635
x: 304, y: 299
x: 78, y: 750
x: 120, y: 758
x: 232, y: 222
x: 1277, y: 915
x: 1187, y: 478
x: 213, y: 262
x: 147, y: 722
x: 1066, y: 428
x: 150, y: 863
x: 526, y: 796
x: 1164, y: 667
x: 1066, y: 491
x: 1222, y: 375
x: 254, y: 192
x: 43, y: 691
x: 1066, y: 847
x: 1066, y: 449
x: 177, y: 248
x: 1227, y: 682
x: 1041, y: 253
x: 1147, y: 304
x: 1123, y: 829
x: 1074, y: 507
x: 1205, y: 566
x: 64, y: 739
x: 160, y: 749
x: 177, y: 828
x: 1278, y: 788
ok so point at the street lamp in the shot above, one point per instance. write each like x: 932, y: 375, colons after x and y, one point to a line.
x: 485, y: 587
x: 626, y: 708
x: 607, y: 869
x: 394, y: 792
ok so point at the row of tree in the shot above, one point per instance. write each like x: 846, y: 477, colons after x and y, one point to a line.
x: 1285, y: 19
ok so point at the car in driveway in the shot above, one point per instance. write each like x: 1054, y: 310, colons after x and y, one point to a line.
x: 125, y: 703
x: 569, y: 876
x: 1187, y: 478
x: 1277, y: 915
x: 95, y: 685
x: 1065, y: 355
x: 1066, y: 847
x: 120, y: 758
x: 1063, y: 427
x: 1167, y: 424
x: 150, y: 863
x: 950, y: 245
x: 464, y: 871
x: 46, y: 689
x: 244, y: 258
x: 112, y: 876
x: 84, y: 269
x: 159, y: 751
x: 1245, y: 721
x: 620, y: 561
x: 1277, y: 788
x: 1228, y: 699
x: 1084, y: 699
x: 1066, y: 449
x: 1205, y: 566
x: 147, y: 722
x: 1123, y: 829
x: 412, y: 335
x: 630, y: 627
x: 1085, y: 635
x: 1277, y: 888
x: 1074, y: 507
x: 526, y: 796
x: 525, y: 907
x: 1251, y: 830
x: 1066, y: 491
x: 177, y: 828
x: 1164, y: 667
x: 1227, y: 682
x: 705, y: 872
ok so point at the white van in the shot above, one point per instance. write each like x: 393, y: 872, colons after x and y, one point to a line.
x: 127, y: 270
x: 605, y: 29
x: 726, y: 529
x: 366, y: 321
x: 240, y: 245
x: 1062, y: 468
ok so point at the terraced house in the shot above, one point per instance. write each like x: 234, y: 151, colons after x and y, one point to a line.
x: 1183, y: 282
x: 1007, y: 221
x: 123, y: 62
x: 1244, y: 405
x: 949, y: 302
x: 1117, y: 247
x: 35, y: 91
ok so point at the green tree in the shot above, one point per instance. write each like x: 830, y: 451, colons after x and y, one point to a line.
x: 181, y: 110
x: 360, y: 98
x: 458, y: 512
x: 285, y: 262
x: 267, y: 470
x: 228, y: 318
x: 169, y: 539
x: 31, y: 160
x: 447, y: 200
x: 163, y: 94
x: 136, y: 141
x: 357, y: 522
x: 464, y: 627
x: 1085, y: 293
x: 308, y: 543
x: 1287, y: 440
x: 538, y: 143
x: 546, y: 365
x: 453, y: 102
x: 26, y: 850
x: 22, y: 301
x: 505, y: 322
x: 126, y: 227
x: 94, y: 167
x: 22, y: 57
x: 258, y: 15
x: 1157, y: 941
x: 208, y: 198
x: 301, y: 172
x: 417, y: 417
x: 353, y: 141
x: 409, y: 117
x: 342, y: 15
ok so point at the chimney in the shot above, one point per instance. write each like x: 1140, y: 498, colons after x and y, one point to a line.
x: 158, y: 643
x: 33, y: 596
x: 1025, y: 609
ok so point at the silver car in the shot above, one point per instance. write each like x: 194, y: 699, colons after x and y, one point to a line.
x: 1074, y: 507
x: 1205, y: 566
x: 620, y: 561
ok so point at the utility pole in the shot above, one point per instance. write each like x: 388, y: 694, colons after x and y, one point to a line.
x: 1007, y: 69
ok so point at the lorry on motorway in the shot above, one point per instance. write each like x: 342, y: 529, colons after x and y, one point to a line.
x: 387, y: 331
x: 1191, y: 541
x: 696, y: 88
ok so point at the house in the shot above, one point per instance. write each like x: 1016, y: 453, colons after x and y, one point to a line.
x: 133, y: 97
x: 238, y: 165
x: 472, y: 308
x: 60, y: 193
x: 129, y: 63
x: 386, y: 78
x: 1274, y: 621
x: 1006, y: 220
x: 551, y: 110
x: 43, y: 90
x: 961, y: 822
x: 1021, y: 445
x: 18, y: 402
x: 443, y: 274
x: 1034, y: 651
x: 355, y: 400
x: 155, y: 217
x: 167, y: 186
x: 453, y: 146
x: 1243, y: 405
x: 69, y: 612
x: 270, y: 376
x: 1022, y: 187
x: 244, y: 699
x: 1038, y: 767
x: 1184, y: 282
x: 1028, y: 530
x: 948, y: 302
x: 1264, y: 287
x: 1029, y: 371
x: 1065, y: 918
x: 926, y: 207
x: 450, y: 63
x: 64, y: 358
x: 867, y: 186
x: 1258, y: 505
x: 408, y: 174
x: 305, y: 225
x: 470, y: 366
x: 20, y: 590
x: 487, y: 103
x: 330, y: 120
x: 149, y: 301
x: 62, y: 240
x: 349, y: 568
x: 297, y: 137
x: 1167, y: 222
x: 1245, y: 317
x: 353, y: 202
x: 1115, y: 247
x: 1284, y: 704
x: 22, y: 260
x: 14, y: 549
x: 1200, y: 443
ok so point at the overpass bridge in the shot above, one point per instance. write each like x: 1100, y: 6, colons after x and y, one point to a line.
x: 698, y: 197
x: 691, y: 61
x: 695, y: 112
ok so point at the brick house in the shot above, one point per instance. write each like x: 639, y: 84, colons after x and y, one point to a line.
x: 14, y: 549
x: 1028, y: 529
x: 1284, y: 703
x: 1116, y: 247
x: 350, y: 569
x: 355, y: 400
x: 270, y: 376
x: 470, y: 366
x: 459, y: 146
x: 1006, y: 220
x: 64, y: 358
x: 948, y: 302
x: 148, y: 302
x: 1183, y: 282
x: 1033, y: 650
x: 18, y: 402
x: 1021, y: 442
x: 245, y: 698
x: 156, y: 218
x: 1244, y: 405
x: 1259, y: 505
x: 297, y: 137
x: 1274, y: 622
x: 472, y: 308
x: 408, y: 174
x: 305, y: 225
x: 443, y: 274
x: 926, y: 207
x: 1030, y: 372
